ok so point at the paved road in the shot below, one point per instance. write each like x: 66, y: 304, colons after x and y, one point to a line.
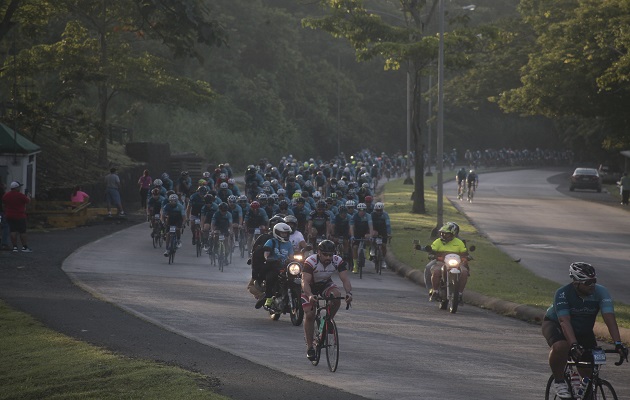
x: 394, y: 344
x: 548, y: 227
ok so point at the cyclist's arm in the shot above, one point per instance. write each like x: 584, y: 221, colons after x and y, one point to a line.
x: 611, y: 322
x: 345, y: 280
x: 567, y: 328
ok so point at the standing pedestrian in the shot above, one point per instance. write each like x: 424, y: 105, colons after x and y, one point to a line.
x: 145, y: 184
x: 4, y: 226
x: 14, y: 203
x: 112, y: 192
x: 624, y: 184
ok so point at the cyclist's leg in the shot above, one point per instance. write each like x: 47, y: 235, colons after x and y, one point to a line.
x: 559, y: 348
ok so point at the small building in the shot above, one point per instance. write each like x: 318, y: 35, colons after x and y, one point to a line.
x: 18, y: 159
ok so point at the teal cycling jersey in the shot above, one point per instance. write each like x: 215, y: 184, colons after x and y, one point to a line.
x: 582, y: 310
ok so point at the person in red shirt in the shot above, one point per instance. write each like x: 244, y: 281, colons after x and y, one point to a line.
x: 14, y: 203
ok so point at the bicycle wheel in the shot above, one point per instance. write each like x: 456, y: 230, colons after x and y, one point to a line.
x: 242, y: 244
x: 603, y: 391
x: 548, y: 394
x: 155, y: 240
x: 317, y: 341
x: 361, y: 261
x: 198, y: 242
x: 172, y: 249
x: 378, y: 260
x: 332, y: 345
x: 221, y: 256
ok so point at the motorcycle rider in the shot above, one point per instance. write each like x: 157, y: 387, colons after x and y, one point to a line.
x: 277, y: 251
x: 448, y: 243
x: 316, y: 280
x: 258, y: 262
x: 568, y: 323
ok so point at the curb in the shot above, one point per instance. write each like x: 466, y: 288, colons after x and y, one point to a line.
x: 507, y: 308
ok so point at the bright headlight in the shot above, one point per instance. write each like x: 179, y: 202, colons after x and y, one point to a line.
x: 295, y: 269
x: 297, y: 257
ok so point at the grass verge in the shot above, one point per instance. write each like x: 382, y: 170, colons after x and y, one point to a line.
x: 493, y: 273
x: 38, y: 363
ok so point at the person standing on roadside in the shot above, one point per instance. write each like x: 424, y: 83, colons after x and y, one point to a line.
x: 14, y: 204
x: 145, y: 184
x: 624, y: 185
x: 4, y: 226
x: 112, y: 192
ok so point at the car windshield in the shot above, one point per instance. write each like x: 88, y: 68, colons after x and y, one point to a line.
x: 585, y: 171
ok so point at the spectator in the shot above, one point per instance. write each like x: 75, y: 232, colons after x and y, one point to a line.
x: 112, y: 192
x: 78, y: 195
x: 15, y: 210
x: 4, y: 226
x: 145, y: 184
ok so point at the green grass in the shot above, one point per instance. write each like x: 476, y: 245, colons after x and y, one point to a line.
x: 493, y: 273
x: 38, y: 363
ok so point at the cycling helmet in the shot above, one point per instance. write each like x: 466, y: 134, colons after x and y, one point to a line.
x: 232, y: 199
x: 300, y: 200
x: 379, y: 206
x: 283, y: 204
x: 308, y: 183
x: 206, y: 174
x: 203, y: 190
x: 321, y: 204
x: 266, y: 183
x: 231, y: 181
x: 223, y: 207
x: 172, y: 198
x: 368, y: 199
x: 275, y: 220
x: 326, y: 246
x: 350, y: 203
x: 455, y: 228
x: 361, y: 207
x: 165, y: 176
x: 290, y: 219
x: 201, y: 182
x: 242, y: 198
x: 184, y: 173
x: 222, y: 176
x: 169, y: 192
x: 581, y: 271
x: 255, y: 205
x: 317, y: 194
x: 155, y: 192
x: 329, y: 201
x: 296, y: 195
x: 282, y: 232
x: 261, y: 197
x: 223, y: 185
x: 282, y: 192
x: 365, y: 185
x: 157, y: 182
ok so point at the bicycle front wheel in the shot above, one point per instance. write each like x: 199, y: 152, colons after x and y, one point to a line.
x: 332, y: 345
x: 361, y: 262
x: 317, y: 342
x: 603, y: 391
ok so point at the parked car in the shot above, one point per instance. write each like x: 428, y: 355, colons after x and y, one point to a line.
x: 609, y: 173
x: 585, y: 178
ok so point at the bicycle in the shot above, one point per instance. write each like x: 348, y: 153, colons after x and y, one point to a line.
x: 157, y: 231
x: 461, y: 187
x: 197, y: 236
x: 326, y: 334
x: 471, y: 192
x: 361, y: 256
x: 242, y: 242
x: 171, y: 240
x: 377, y: 242
x: 592, y: 387
x: 219, y: 253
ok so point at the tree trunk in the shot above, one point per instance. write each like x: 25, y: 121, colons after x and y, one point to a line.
x: 418, y: 206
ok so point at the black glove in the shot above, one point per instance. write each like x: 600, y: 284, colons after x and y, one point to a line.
x: 576, y: 351
x: 621, y: 349
x: 249, y: 261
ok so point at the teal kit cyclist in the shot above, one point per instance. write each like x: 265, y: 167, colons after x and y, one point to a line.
x: 173, y: 214
x: 360, y: 227
x: 568, y: 323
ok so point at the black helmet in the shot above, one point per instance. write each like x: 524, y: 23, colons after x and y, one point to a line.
x: 275, y: 220
x: 326, y: 246
x: 209, y: 198
x: 581, y: 271
x: 223, y: 206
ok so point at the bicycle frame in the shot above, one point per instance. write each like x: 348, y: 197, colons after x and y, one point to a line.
x: 326, y: 334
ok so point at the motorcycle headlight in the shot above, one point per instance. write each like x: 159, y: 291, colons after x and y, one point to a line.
x: 452, y: 260
x: 295, y: 269
x: 297, y: 257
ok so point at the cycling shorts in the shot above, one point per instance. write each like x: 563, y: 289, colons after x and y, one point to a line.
x: 552, y: 332
x: 320, y: 288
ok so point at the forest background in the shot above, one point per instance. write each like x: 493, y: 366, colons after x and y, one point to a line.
x: 237, y: 80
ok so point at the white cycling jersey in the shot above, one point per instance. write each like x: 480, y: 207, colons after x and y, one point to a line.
x: 323, y: 273
x: 296, y: 238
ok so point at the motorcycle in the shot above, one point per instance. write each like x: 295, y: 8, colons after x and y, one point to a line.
x: 450, y: 273
x: 288, y: 292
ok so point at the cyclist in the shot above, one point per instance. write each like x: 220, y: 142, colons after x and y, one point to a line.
x: 448, y: 243
x: 193, y: 211
x: 472, y: 180
x: 232, y: 186
x: 224, y: 192
x: 183, y: 185
x: 222, y: 224
x: 360, y: 227
x: 207, y: 211
x: 166, y: 182
x: 461, y: 178
x: 173, y: 213
x: 341, y: 228
x: 296, y: 238
x: 237, y: 217
x: 277, y: 251
x: 283, y: 208
x: 569, y: 321
x: 318, y: 223
x: 369, y: 202
x: 382, y: 226
x: 301, y: 213
x: 316, y: 280
x: 256, y: 217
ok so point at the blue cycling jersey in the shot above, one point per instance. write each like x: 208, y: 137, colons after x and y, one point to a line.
x: 582, y: 310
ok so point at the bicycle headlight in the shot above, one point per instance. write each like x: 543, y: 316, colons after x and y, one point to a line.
x: 295, y: 269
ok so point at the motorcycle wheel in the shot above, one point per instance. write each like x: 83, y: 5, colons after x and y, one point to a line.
x: 443, y: 304
x: 454, y: 294
x: 297, y: 313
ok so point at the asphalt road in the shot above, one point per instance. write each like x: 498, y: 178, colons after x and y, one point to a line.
x: 548, y: 227
x: 394, y: 344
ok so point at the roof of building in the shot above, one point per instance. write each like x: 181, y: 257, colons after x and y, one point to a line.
x: 14, y: 143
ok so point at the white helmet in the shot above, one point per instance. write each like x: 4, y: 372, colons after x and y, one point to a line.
x: 223, y: 185
x: 173, y: 197
x: 379, y: 206
x: 350, y: 203
x: 157, y: 182
x: 317, y: 194
x: 282, y: 232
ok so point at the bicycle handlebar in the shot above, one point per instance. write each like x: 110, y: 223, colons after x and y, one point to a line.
x: 609, y: 351
x: 327, y: 299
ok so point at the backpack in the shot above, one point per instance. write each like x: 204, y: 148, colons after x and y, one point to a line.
x: 258, y: 255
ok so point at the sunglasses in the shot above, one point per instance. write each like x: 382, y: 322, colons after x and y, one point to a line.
x: 589, y: 282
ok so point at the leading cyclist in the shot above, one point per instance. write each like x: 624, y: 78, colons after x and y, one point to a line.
x: 568, y: 324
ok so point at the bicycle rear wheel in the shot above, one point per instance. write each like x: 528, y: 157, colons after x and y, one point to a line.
x: 332, y: 345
